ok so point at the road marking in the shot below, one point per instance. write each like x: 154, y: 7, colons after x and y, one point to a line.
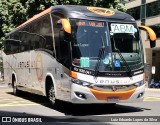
x: 9, y: 100
x: 3, y: 86
x: 151, y: 98
x: 11, y: 105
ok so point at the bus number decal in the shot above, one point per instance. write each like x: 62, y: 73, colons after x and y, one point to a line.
x: 39, y: 67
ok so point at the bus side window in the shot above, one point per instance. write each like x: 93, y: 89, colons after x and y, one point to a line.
x: 6, y: 47
x: 23, y: 38
x: 62, y: 47
x: 41, y: 34
x: 46, y: 32
x: 11, y: 46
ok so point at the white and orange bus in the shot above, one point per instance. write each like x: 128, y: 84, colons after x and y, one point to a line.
x: 77, y: 54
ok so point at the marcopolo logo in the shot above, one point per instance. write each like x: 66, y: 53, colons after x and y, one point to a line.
x: 101, y: 11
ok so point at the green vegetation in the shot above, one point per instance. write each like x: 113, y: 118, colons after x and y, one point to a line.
x: 15, y: 12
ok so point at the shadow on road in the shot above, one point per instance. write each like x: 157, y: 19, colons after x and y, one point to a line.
x: 82, y: 109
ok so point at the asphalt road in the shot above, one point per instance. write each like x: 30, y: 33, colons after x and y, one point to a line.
x: 37, y: 106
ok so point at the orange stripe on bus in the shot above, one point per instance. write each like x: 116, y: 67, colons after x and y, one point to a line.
x: 35, y: 17
x: 73, y: 74
x: 102, y: 95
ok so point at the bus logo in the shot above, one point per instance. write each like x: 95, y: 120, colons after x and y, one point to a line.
x: 114, y: 88
x: 101, y: 11
x: 39, y: 67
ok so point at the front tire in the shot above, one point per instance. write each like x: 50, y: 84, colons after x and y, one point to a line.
x: 15, y: 89
x: 51, y: 95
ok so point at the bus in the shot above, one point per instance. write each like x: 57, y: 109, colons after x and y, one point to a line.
x: 77, y: 54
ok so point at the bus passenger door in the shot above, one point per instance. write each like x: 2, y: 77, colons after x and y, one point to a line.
x: 62, y: 52
x: 63, y: 69
x: 63, y: 81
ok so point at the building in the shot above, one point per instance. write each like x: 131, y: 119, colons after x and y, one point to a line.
x: 147, y: 12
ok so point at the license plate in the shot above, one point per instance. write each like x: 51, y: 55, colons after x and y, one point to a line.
x: 112, y: 99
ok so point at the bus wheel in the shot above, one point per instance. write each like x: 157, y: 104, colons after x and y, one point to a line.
x: 51, y: 95
x: 15, y: 89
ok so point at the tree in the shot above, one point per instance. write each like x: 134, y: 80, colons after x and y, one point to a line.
x: 12, y: 14
x: 15, y: 12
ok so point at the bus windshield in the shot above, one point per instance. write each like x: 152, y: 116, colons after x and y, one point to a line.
x: 89, y: 37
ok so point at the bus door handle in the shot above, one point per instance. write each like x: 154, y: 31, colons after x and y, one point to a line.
x: 61, y: 75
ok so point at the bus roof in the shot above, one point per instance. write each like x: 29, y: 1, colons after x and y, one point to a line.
x: 36, y: 16
x: 83, y: 12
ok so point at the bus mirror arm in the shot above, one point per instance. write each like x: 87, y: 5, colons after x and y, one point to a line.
x: 151, y: 35
x: 63, y: 36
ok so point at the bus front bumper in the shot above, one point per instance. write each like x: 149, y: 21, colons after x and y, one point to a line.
x: 84, y: 95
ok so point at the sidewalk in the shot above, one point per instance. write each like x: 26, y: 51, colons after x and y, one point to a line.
x: 152, y: 89
x: 2, y: 83
x: 152, y: 92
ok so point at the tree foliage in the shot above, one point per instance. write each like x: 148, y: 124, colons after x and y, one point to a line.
x: 15, y: 12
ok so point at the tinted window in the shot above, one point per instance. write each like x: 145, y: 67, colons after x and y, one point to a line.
x: 62, y: 47
x: 11, y: 46
x: 41, y: 34
x: 24, y: 38
x: 153, y: 9
x: 37, y: 35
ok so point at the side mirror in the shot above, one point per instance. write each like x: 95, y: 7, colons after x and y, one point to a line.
x: 151, y: 34
x: 65, y: 24
x: 152, y: 43
x: 65, y: 32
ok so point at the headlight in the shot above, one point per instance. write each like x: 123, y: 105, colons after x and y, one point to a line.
x: 80, y: 82
x: 140, y: 83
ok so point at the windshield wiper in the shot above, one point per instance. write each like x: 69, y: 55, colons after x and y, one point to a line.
x: 101, y: 52
x: 130, y: 74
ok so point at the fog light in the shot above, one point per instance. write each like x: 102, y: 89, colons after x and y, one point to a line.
x: 80, y: 95
x: 140, y: 95
x: 140, y: 83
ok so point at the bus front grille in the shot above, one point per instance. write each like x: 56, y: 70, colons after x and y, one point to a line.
x: 112, y: 88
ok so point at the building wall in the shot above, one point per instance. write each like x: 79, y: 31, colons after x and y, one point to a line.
x: 133, y: 3
x: 152, y: 55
